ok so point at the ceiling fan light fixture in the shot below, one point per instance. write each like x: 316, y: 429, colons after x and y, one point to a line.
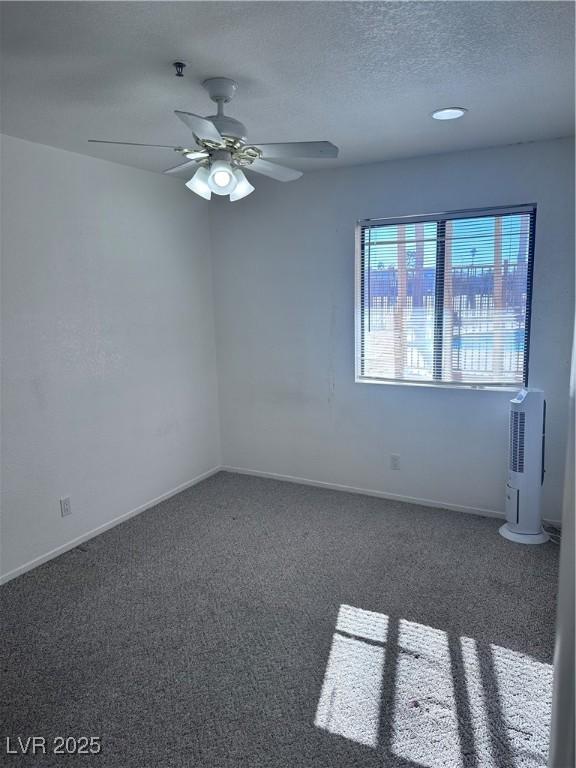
x: 243, y: 187
x: 221, y: 179
x: 199, y: 183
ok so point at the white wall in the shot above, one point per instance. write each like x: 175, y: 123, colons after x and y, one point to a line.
x: 109, y: 390
x: 109, y: 384
x: 284, y: 273
x: 562, y: 745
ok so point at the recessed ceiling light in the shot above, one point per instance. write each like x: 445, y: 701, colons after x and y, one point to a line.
x: 449, y: 113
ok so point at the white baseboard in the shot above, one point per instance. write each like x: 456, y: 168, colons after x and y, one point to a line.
x: 255, y: 473
x: 101, y: 528
x: 367, y: 492
x: 379, y: 494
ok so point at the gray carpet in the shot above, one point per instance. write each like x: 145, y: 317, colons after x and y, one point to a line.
x: 262, y: 624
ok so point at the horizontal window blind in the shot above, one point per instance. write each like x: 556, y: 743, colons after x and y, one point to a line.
x: 446, y: 299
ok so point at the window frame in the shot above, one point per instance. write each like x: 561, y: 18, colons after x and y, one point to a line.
x: 468, y: 213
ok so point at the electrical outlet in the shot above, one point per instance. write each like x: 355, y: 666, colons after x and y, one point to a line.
x: 394, y: 461
x: 65, y: 507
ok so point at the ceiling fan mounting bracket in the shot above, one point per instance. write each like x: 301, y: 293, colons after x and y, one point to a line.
x: 220, y: 89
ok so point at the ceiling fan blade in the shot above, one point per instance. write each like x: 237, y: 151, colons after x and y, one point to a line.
x: 200, y: 126
x: 299, y: 149
x: 182, y: 166
x: 132, y: 144
x: 278, y: 172
x: 196, y: 154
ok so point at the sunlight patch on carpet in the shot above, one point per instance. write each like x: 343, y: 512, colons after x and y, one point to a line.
x: 350, y: 700
x: 433, y: 699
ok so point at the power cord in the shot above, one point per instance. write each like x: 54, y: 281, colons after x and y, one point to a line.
x: 553, y: 532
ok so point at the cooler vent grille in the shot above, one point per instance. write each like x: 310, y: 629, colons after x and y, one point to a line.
x: 517, y: 431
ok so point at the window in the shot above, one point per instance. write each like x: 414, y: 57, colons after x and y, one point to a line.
x: 445, y: 299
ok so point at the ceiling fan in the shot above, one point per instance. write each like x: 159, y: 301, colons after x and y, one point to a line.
x: 221, y: 152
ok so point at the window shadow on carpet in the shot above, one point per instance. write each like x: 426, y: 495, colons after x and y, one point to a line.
x: 425, y: 698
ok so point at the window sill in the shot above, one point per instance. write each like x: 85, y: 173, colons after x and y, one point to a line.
x: 437, y: 385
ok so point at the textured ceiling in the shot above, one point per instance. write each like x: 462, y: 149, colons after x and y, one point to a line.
x: 363, y: 75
